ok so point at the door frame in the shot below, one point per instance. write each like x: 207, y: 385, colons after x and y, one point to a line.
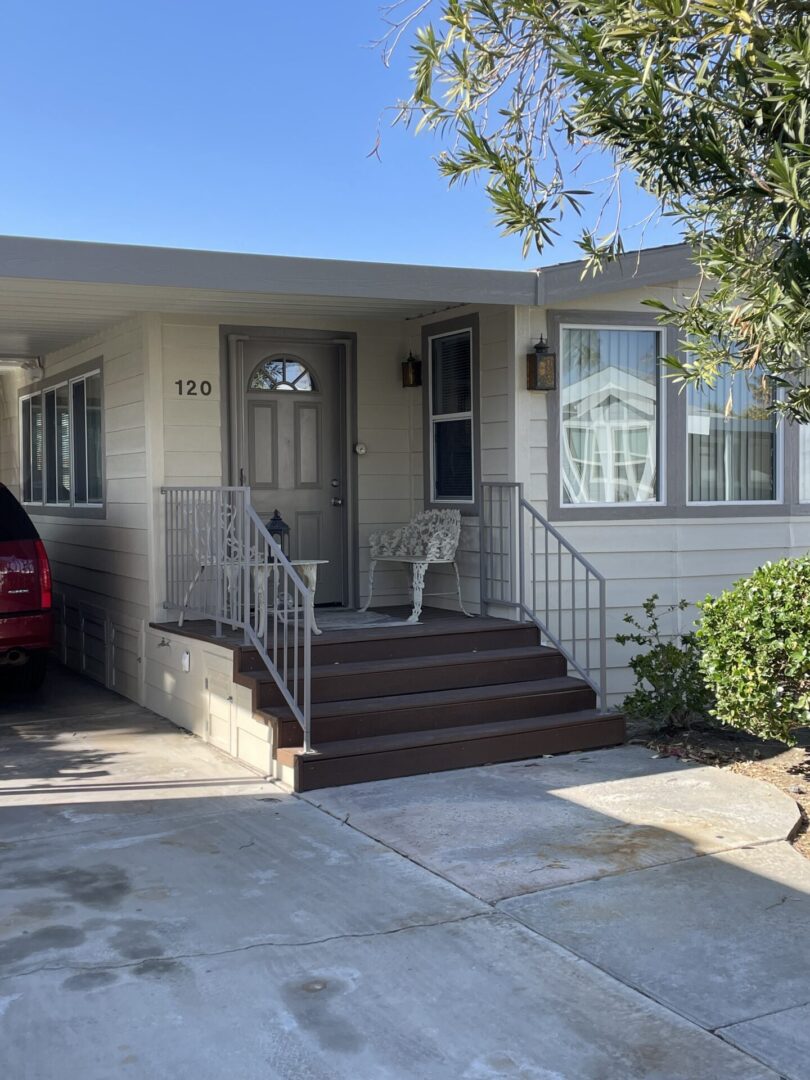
x: 278, y: 337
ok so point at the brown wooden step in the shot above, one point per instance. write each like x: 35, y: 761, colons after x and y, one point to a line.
x: 409, y: 675
x: 367, y: 717
x: 423, y: 639
x: 383, y: 757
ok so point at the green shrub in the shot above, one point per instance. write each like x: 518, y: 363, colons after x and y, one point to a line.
x: 670, y: 690
x: 755, y: 646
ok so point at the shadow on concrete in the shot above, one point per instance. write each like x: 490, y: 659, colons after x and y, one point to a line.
x: 716, y: 939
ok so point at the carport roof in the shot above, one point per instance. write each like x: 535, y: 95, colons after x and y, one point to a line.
x: 53, y: 292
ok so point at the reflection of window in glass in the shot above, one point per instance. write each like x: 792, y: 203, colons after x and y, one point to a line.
x: 281, y: 374
x: 732, y: 440
x: 451, y: 418
x: 610, y: 415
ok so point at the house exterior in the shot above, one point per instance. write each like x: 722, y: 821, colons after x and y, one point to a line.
x: 129, y: 370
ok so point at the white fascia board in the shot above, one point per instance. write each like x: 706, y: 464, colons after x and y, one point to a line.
x: 33, y: 258
x: 77, y: 261
x: 557, y: 285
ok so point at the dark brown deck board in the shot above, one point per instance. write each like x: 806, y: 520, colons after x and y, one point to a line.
x: 378, y: 744
x: 437, y: 698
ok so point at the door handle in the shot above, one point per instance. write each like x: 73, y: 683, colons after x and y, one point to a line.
x: 337, y: 502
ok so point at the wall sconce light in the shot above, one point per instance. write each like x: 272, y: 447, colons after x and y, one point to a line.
x: 411, y: 371
x: 541, y: 367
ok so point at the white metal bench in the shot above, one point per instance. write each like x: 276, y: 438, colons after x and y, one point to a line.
x: 430, y: 539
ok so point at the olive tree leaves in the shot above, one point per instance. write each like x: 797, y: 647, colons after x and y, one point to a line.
x: 704, y: 102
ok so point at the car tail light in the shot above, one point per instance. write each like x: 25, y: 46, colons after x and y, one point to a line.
x: 44, y: 576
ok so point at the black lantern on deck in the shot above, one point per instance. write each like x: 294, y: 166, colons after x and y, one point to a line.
x: 280, y: 532
x: 411, y: 371
x: 541, y: 367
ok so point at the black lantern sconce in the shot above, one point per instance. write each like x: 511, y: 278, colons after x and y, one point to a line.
x: 541, y: 367
x: 280, y: 532
x: 411, y: 371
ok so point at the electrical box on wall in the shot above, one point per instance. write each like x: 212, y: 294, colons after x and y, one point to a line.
x: 185, y: 660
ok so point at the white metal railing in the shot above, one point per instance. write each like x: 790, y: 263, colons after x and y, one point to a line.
x: 527, y: 565
x: 222, y: 564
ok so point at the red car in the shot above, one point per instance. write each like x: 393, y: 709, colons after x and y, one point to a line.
x: 26, y: 616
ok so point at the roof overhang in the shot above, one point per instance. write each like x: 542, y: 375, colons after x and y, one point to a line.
x: 55, y: 292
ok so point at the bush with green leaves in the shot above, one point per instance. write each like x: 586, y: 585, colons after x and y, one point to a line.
x: 670, y: 691
x: 755, y: 650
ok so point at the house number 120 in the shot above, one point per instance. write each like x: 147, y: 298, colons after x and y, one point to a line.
x: 188, y: 387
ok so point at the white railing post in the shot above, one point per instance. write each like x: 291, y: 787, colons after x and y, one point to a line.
x: 218, y: 575
x: 244, y: 572
x: 602, y: 643
x: 517, y: 518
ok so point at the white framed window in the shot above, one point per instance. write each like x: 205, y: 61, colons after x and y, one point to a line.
x: 733, y: 444
x: 450, y: 414
x: 60, y: 443
x: 611, y: 419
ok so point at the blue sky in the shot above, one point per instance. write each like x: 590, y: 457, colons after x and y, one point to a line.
x: 244, y: 126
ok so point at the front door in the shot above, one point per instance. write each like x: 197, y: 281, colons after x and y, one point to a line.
x: 289, y: 448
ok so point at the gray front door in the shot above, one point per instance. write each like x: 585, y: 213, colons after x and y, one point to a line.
x: 289, y: 448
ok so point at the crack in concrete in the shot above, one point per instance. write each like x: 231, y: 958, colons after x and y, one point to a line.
x: 491, y: 909
x: 157, y: 810
x: 747, y: 846
x: 247, y: 948
x: 396, y: 851
x: 759, y: 1016
x: 494, y: 905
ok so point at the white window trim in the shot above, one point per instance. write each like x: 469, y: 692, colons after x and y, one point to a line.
x: 445, y: 417
x: 43, y: 502
x: 661, y: 421
x: 778, y: 471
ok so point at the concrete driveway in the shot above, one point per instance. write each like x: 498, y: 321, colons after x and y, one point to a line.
x: 164, y: 913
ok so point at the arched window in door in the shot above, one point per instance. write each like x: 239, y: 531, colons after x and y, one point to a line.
x: 282, y: 373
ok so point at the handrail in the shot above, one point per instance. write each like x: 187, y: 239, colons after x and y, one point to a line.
x: 222, y: 564
x: 270, y: 608
x: 514, y: 572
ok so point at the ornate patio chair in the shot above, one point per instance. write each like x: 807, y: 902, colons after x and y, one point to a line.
x: 430, y: 539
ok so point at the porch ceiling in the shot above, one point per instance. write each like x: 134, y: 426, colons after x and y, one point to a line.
x: 37, y: 317
x: 53, y: 292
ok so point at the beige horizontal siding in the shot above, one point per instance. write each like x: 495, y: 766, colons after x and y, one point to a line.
x: 100, y: 566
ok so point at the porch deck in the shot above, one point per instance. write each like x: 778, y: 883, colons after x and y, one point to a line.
x: 402, y: 699
x: 205, y: 629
